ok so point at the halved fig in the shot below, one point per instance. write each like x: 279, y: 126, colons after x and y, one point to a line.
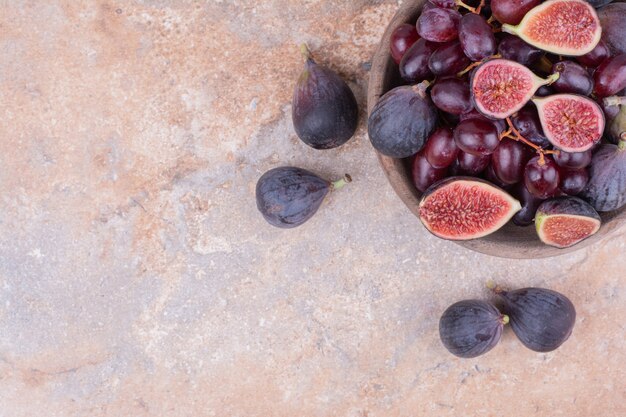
x: 501, y: 87
x: 563, y: 27
x: 565, y: 221
x: 463, y: 208
x: 571, y: 123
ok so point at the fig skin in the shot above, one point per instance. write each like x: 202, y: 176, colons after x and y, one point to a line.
x: 573, y: 79
x: 402, y: 120
x: 542, y: 319
x: 471, y: 328
x: 617, y: 128
x: 325, y: 113
x: 612, y: 18
x: 606, y: 189
x: 565, y: 206
x: 289, y: 196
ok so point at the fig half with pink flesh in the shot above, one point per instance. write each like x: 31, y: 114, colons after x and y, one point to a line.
x: 571, y: 123
x: 463, y: 208
x: 501, y: 87
x: 565, y: 221
x: 563, y: 27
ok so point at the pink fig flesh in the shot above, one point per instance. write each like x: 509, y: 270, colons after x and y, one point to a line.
x: 463, y: 208
x: 563, y: 27
x: 571, y: 123
x: 565, y: 221
x: 501, y: 87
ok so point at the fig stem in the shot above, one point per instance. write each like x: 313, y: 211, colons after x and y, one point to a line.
x: 496, y: 289
x: 339, y: 184
x: 552, y: 78
x: 615, y: 101
x: 306, y: 52
x: 421, y: 88
x: 509, y: 29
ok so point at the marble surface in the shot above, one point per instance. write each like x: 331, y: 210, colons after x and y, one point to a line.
x: 138, y: 279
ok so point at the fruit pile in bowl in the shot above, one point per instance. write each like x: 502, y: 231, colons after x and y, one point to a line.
x: 491, y: 117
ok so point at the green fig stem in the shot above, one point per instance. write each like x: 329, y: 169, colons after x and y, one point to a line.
x: 615, y: 101
x: 495, y: 288
x: 306, y: 52
x: 509, y: 28
x: 552, y: 78
x: 504, y: 319
x: 339, y: 184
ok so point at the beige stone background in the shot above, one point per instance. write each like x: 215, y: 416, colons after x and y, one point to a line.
x: 138, y: 279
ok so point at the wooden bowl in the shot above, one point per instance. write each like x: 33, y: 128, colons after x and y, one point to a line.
x: 509, y: 242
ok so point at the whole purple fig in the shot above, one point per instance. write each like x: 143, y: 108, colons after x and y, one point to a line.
x: 470, y: 328
x: 289, y: 196
x: 542, y: 319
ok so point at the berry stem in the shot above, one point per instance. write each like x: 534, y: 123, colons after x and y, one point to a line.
x: 465, y: 6
x: 480, y: 6
x: 518, y: 136
x: 477, y: 63
x: 491, y: 19
x: 504, y: 319
x: 339, y: 184
x: 468, y: 68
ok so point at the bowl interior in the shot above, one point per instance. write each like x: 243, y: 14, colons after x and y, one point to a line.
x: 509, y: 242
